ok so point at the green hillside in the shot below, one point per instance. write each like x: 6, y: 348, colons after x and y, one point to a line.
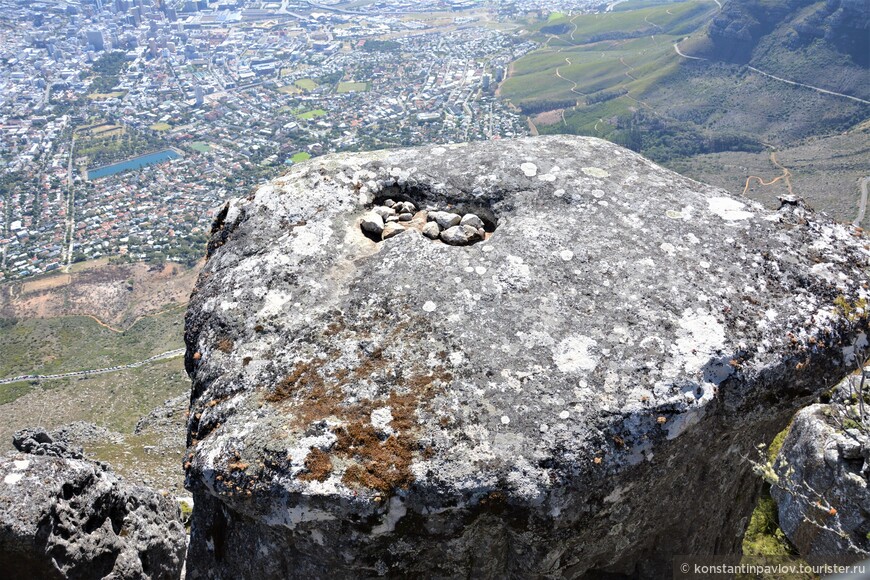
x: 676, y: 80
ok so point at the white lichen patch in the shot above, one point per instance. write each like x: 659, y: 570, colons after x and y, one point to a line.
x: 13, y: 478
x: 429, y: 306
x: 595, y: 172
x: 529, y: 169
x: 574, y: 354
x: 273, y: 303
x: 21, y: 464
x: 566, y: 255
x: 381, y: 419
x: 728, y: 209
x: 310, y: 238
x: 395, y: 512
x: 700, y: 336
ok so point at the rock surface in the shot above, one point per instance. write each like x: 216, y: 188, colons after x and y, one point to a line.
x: 822, y: 493
x: 562, y: 399
x: 65, y: 517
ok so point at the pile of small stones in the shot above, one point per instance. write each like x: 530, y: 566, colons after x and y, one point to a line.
x: 394, y: 217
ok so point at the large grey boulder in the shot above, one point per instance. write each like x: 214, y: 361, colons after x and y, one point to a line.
x: 821, y: 486
x: 574, y: 395
x: 62, y: 516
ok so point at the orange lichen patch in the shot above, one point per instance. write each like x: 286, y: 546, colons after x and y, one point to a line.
x: 318, y: 466
x: 237, y: 466
x: 317, y: 389
x: 371, y: 364
x: 384, y: 466
x: 305, y: 375
x: 333, y: 328
x: 381, y: 465
x: 225, y: 345
x: 402, y: 408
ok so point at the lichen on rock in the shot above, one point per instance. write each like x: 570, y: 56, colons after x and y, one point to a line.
x: 63, y: 516
x: 562, y: 397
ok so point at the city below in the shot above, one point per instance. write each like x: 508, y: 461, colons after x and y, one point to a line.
x: 125, y: 125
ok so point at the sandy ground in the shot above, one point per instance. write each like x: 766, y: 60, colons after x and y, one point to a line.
x: 117, y: 295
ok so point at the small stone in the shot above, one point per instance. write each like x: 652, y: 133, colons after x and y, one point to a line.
x: 389, y: 203
x: 419, y: 219
x: 460, y: 235
x: 431, y: 230
x: 409, y: 207
x: 384, y: 211
x: 445, y: 219
x: 472, y: 220
x: 850, y: 447
x: 406, y: 217
x: 392, y: 229
x: 392, y: 218
x: 372, y: 223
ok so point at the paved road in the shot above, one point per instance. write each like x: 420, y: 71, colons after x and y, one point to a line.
x: 862, y: 207
x: 680, y: 52
x: 820, y: 90
x: 162, y: 356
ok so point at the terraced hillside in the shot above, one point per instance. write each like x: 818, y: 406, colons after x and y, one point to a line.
x: 589, y: 60
x: 684, y: 82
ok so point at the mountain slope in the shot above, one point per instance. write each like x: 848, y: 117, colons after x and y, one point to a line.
x: 825, y: 43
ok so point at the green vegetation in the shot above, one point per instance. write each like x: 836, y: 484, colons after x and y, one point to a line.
x: 679, y: 18
x: 663, y: 139
x: 300, y: 156
x: 308, y: 115
x: 331, y: 78
x: 160, y: 127
x: 306, y: 84
x: 200, y: 146
x: 107, y: 70
x: 604, y: 69
x: 290, y: 90
x: 350, y: 87
x: 104, y: 142
x: 9, y: 393
x: 72, y: 343
x: 763, y: 536
x: 188, y: 250
x: 776, y: 444
x: 116, y: 401
x: 555, y: 16
x: 381, y: 46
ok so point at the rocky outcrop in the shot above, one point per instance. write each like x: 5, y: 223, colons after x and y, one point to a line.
x: 562, y: 398
x: 822, y: 474
x: 62, y: 516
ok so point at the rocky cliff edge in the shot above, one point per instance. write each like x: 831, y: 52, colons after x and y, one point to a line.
x: 575, y: 392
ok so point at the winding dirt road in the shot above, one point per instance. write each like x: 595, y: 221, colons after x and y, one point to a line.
x: 786, y: 175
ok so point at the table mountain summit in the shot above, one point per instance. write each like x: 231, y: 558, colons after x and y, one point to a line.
x: 561, y: 394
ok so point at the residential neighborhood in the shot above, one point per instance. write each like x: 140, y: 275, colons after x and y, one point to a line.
x: 125, y: 125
